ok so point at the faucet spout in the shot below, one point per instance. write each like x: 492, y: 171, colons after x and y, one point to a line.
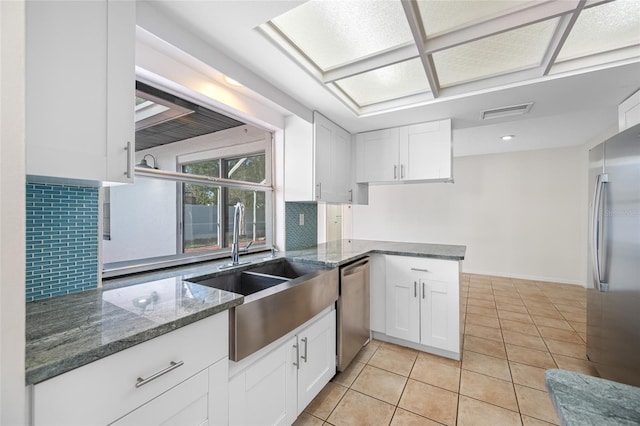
x: 238, y: 230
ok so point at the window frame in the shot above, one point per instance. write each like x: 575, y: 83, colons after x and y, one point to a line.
x: 226, y: 153
x: 264, y: 144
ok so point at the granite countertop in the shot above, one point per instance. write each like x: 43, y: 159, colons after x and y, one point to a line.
x: 337, y: 253
x: 67, y: 332
x: 585, y: 400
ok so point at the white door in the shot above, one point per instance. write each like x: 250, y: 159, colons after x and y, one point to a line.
x: 403, y: 303
x: 265, y: 393
x: 317, y: 358
x: 440, y: 315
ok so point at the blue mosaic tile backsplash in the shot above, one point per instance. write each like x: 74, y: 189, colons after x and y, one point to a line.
x: 62, y: 240
x: 299, y: 237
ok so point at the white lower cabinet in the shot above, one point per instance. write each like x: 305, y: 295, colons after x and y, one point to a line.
x: 265, y: 393
x: 423, y: 302
x: 277, y: 386
x: 191, y: 369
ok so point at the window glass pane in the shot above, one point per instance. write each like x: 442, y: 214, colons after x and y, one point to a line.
x: 203, y: 168
x: 253, y: 228
x: 513, y: 50
x: 333, y: 33
x: 602, y: 28
x: 249, y: 168
x: 391, y: 82
x: 201, y: 220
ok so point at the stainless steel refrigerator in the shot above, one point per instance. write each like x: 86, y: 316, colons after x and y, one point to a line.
x: 613, y: 302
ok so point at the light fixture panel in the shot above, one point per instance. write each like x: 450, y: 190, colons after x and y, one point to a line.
x: 333, y: 33
x: 439, y: 16
x: 602, y: 28
x: 513, y: 50
x: 390, y: 82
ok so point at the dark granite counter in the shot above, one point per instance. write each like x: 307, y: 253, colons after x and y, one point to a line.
x: 585, y: 400
x: 67, y: 332
x: 337, y: 253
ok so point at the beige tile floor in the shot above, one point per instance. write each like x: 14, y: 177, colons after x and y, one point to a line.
x: 513, y: 331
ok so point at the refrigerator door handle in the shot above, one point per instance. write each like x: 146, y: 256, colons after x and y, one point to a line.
x: 595, y: 240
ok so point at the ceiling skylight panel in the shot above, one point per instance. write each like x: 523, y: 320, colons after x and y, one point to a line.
x: 383, y: 84
x: 440, y: 16
x: 602, y: 28
x: 513, y: 50
x: 336, y: 32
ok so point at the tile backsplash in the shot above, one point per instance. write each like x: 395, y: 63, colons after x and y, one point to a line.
x: 301, y: 236
x: 61, y: 239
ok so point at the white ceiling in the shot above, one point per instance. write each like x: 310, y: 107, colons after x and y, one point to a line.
x: 569, y: 109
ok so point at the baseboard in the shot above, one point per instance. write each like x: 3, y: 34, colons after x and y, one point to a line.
x: 429, y: 349
x: 525, y: 277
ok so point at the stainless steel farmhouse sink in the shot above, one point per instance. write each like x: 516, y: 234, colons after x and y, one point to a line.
x: 279, y: 296
x: 244, y: 283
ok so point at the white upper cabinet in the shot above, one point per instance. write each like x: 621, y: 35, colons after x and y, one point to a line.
x: 80, y: 89
x: 420, y: 152
x: 317, y: 161
x: 629, y: 112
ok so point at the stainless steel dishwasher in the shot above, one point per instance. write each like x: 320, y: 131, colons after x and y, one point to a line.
x: 353, y: 311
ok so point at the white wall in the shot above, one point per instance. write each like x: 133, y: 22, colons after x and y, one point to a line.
x: 12, y: 213
x: 521, y: 214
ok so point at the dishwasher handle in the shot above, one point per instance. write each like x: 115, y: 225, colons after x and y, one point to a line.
x: 355, y: 267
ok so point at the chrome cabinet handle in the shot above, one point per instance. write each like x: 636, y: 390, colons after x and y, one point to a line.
x: 420, y: 269
x: 415, y: 289
x: 351, y: 195
x: 401, y: 171
x: 423, y: 292
x: 129, y: 171
x: 395, y: 171
x: 319, y: 191
x: 297, y: 364
x: 304, y: 357
x: 172, y: 366
x: 595, y: 241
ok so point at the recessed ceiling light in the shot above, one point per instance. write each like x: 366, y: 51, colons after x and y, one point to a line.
x: 232, y: 82
x: 507, y: 137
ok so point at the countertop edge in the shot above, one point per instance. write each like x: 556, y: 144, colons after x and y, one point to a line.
x: 48, y: 371
x: 584, y: 400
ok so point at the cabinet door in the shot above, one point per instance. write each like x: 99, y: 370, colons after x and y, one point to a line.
x: 121, y: 85
x: 425, y: 151
x: 75, y: 107
x: 377, y: 156
x: 317, y: 358
x: 332, y: 160
x: 265, y: 393
x: 403, y: 303
x: 440, y: 315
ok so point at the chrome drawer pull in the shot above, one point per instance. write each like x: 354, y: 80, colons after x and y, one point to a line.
x: 419, y: 269
x: 172, y: 366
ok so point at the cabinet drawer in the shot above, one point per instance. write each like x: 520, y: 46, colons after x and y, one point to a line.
x: 105, y: 390
x: 432, y: 269
x: 185, y: 404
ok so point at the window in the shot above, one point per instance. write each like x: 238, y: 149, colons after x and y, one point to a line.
x: 206, y: 210
x: 183, y: 212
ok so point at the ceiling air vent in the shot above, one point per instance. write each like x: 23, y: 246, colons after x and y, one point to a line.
x: 506, y: 111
